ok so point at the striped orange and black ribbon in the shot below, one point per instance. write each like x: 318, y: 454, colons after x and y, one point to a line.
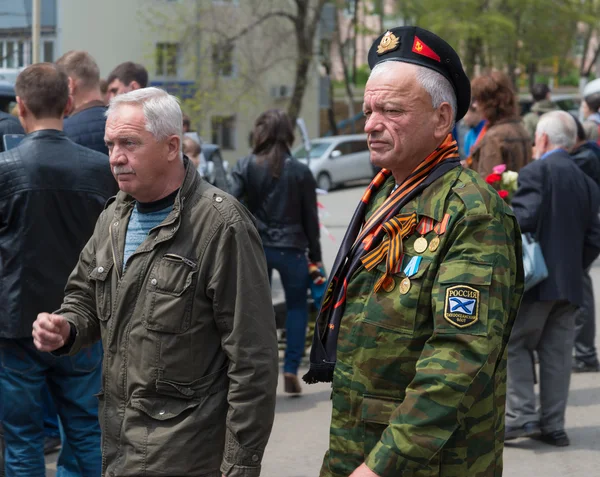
x: 396, y: 229
x: 448, y: 149
x: 364, y: 240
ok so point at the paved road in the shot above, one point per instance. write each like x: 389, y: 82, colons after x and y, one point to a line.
x: 300, y: 433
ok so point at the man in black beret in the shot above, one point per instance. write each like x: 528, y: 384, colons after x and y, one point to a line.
x: 425, y: 288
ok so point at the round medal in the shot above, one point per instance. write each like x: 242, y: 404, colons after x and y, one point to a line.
x: 434, y: 244
x: 420, y: 245
x: 389, y: 284
x: 405, y: 286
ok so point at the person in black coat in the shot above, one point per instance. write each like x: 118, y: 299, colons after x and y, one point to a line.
x: 51, y: 194
x: 280, y: 192
x: 558, y: 203
x: 586, y: 155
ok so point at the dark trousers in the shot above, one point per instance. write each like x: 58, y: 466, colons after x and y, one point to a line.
x: 548, y: 328
x: 72, y: 381
x: 292, y: 266
x: 585, y: 325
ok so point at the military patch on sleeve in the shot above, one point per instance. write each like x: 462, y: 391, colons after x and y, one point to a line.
x: 462, y: 306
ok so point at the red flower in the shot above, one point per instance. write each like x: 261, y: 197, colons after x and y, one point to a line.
x: 493, y: 178
x: 503, y: 193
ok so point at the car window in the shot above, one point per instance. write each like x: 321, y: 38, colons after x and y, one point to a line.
x: 317, y: 150
x: 359, y: 146
x: 344, y: 147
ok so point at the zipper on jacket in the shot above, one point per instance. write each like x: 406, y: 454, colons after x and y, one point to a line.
x: 112, y: 247
x: 179, y: 258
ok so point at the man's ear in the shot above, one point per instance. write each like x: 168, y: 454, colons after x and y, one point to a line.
x: 445, y: 118
x: 174, y: 145
x: 69, y: 106
x: 134, y: 85
x: 21, y: 108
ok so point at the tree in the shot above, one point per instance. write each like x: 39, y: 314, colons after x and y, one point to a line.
x: 590, y: 19
x: 262, y: 34
x: 304, y: 21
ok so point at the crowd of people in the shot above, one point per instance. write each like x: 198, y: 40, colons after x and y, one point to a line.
x: 138, y: 328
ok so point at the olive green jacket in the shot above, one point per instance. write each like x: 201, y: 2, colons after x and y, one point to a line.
x: 531, y: 119
x: 420, y: 380
x: 190, y: 346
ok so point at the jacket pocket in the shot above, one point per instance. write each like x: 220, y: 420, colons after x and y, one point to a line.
x: 170, y: 294
x: 162, y: 409
x: 396, y: 310
x: 185, y: 436
x: 202, y: 387
x: 376, y: 414
x: 100, y: 277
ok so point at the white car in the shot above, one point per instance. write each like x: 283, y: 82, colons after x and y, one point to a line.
x: 337, y: 159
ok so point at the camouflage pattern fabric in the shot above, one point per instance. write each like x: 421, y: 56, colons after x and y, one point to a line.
x: 420, y: 381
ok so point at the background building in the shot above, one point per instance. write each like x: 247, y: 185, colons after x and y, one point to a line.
x: 190, y: 47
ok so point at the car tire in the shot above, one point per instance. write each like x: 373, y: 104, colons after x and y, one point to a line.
x: 324, y: 182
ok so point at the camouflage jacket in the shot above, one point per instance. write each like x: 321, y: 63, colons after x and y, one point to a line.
x: 420, y: 381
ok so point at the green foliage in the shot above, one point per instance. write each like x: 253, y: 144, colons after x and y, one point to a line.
x: 501, y: 33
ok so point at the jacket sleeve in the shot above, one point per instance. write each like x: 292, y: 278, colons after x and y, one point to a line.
x: 457, y: 364
x: 79, y: 303
x: 310, y: 216
x: 591, y: 244
x: 527, y: 201
x: 243, y: 313
x: 238, y: 182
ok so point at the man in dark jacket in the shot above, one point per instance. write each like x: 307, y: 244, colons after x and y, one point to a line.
x: 587, y: 156
x: 86, y: 122
x: 51, y: 193
x: 559, y: 204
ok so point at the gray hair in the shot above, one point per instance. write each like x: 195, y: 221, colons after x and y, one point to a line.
x: 437, y: 86
x: 560, y: 127
x: 161, y: 110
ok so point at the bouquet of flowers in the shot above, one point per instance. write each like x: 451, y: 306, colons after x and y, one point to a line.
x: 505, y: 182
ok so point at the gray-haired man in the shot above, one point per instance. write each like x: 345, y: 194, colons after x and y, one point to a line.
x: 558, y: 203
x: 175, y: 283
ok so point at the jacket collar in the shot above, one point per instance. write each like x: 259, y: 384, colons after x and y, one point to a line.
x: 191, y: 178
x: 91, y: 104
x: 44, y: 134
x: 426, y: 205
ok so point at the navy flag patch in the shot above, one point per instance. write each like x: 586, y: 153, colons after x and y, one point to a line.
x: 462, y: 306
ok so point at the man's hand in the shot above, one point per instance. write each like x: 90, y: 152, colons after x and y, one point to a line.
x: 363, y: 471
x: 50, y: 332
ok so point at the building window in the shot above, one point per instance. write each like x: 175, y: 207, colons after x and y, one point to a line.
x: 49, y: 51
x: 222, y: 58
x: 9, y: 60
x: 223, y: 131
x: 166, y: 59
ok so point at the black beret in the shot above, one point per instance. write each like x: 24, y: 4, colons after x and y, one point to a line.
x: 415, y: 45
